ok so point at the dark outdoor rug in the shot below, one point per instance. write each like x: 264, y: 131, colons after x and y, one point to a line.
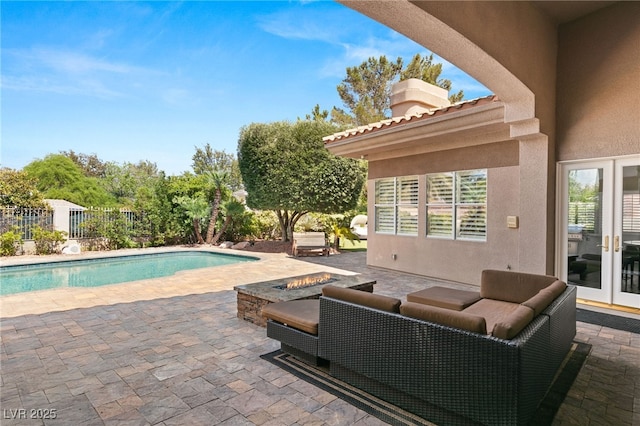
x: 389, y: 413
x: 606, y: 320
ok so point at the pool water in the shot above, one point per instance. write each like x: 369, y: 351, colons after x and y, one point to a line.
x: 109, y: 270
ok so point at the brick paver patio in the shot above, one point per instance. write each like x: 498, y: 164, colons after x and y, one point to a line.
x: 171, y: 351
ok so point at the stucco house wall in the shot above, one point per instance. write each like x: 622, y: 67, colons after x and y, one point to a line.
x: 456, y: 260
x: 599, y: 84
x: 568, y: 77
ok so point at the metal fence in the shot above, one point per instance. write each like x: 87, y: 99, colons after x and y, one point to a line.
x: 82, y: 223
x: 25, y: 219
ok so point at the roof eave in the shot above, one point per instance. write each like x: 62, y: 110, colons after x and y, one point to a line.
x: 477, y: 121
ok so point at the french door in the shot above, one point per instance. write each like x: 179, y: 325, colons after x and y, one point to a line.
x: 599, y: 229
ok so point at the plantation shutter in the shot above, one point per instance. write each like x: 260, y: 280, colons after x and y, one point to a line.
x: 440, y: 205
x: 407, y: 208
x: 385, y: 205
x: 471, y: 204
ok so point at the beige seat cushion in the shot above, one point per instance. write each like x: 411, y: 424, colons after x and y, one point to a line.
x: 370, y: 300
x: 443, y: 297
x: 444, y: 316
x: 302, y: 315
x: 493, y: 311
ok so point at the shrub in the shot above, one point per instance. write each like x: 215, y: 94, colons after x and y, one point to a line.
x: 116, y: 231
x: 10, y: 242
x: 267, y: 225
x: 47, y: 241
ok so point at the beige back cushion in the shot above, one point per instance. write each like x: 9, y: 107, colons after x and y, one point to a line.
x: 540, y: 301
x: 444, y: 316
x: 370, y: 300
x: 509, y: 286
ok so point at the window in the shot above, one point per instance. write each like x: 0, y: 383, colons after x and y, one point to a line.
x: 396, y: 205
x: 457, y: 205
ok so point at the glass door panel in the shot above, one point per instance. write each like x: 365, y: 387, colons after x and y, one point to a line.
x: 586, y: 228
x: 599, y: 245
x: 626, y: 244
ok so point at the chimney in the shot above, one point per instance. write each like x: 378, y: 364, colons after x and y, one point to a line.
x: 414, y: 96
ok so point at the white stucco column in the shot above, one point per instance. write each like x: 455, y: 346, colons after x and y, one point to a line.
x: 61, y: 219
x: 533, y: 253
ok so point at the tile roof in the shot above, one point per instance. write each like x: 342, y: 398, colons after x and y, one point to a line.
x: 405, y: 119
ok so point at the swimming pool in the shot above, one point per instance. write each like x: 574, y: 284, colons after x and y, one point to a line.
x: 107, y: 270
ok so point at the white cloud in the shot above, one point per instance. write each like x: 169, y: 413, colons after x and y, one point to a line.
x: 51, y: 70
x: 77, y: 63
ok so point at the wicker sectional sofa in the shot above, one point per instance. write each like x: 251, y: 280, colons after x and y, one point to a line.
x: 489, y: 363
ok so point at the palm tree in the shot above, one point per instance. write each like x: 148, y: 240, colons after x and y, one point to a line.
x: 216, y: 181
x: 196, y: 209
x: 232, y: 209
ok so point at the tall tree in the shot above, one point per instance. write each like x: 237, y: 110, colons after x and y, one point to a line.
x: 126, y: 180
x: 208, y: 159
x: 232, y: 210
x: 90, y: 164
x: 18, y: 189
x: 196, y: 209
x: 425, y: 69
x: 366, y: 90
x: 59, y: 177
x: 286, y: 168
x: 217, y: 182
x: 317, y: 114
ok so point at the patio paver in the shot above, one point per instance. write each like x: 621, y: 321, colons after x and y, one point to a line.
x: 171, y: 351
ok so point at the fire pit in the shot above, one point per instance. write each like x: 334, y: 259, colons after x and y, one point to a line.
x: 253, y: 297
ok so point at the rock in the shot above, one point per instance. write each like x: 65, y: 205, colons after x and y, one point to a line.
x: 226, y: 245
x: 241, y: 245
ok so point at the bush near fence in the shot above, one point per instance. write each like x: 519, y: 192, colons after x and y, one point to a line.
x: 91, y: 223
x: 23, y: 220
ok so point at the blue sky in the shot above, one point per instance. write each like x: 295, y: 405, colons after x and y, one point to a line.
x: 132, y: 81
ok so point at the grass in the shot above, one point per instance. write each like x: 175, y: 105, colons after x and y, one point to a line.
x: 346, y: 245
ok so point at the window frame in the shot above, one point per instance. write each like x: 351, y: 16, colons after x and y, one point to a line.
x: 455, y: 203
x: 397, y: 205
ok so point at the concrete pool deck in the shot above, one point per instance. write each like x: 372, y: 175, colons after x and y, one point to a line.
x: 171, y: 351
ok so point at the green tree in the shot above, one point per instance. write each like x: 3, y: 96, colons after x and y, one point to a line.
x: 232, y: 210
x: 18, y: 189
x: 286, y: 168
x: 425, y: 69
x: 197, y: 209
x: 317, y: 114
x: 90, y: 164
x: 366, y: 90
x: 217, y: 183
x: 208, y: 159
x: 125, y: 181
x: 59, y: 177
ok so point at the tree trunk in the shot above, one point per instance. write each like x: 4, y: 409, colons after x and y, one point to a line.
x: 288, y: 222
x: 224, y: 227
x: 215, y: 209
x: 196, y: 228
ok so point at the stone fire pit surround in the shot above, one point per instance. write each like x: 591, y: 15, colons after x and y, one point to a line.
x: 253, y: 297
